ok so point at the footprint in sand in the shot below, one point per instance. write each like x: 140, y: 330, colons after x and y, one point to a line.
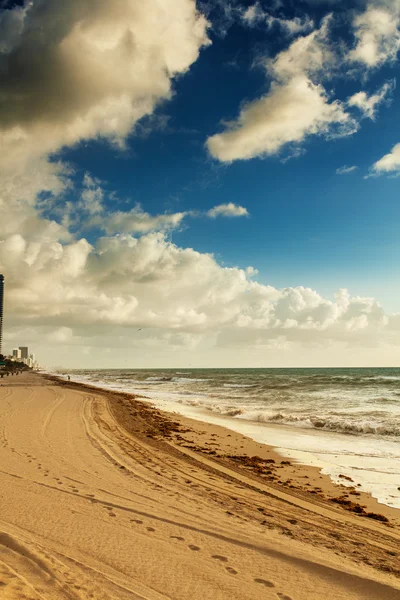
x: 265, y: 582
x: 231, y: 570
x: 150, y: 528
x: 219, y: 557
x: 194, y: 548
x: 177, y: 537
x: 138, y: 521
x: 283, y: 596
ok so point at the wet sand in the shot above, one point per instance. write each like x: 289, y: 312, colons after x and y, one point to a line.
x: 104, y: 497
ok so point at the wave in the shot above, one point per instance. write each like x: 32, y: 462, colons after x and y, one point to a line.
x: 363, y: 404
x: 239, y: 385
x: 326, y: 424
x: 175, y: 379
x: 344, y: 381
x: 187, y: 379
x: 329, y: 423
x: 232, y: 412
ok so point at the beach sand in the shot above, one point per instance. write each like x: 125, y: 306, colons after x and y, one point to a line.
x: 104, y: 497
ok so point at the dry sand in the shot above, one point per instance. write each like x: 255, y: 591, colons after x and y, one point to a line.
x: 103, y: 497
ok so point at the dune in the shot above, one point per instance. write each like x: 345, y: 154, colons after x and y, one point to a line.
x: 104, y: 497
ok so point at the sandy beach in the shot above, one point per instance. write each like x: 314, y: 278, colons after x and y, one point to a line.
x: 104, y: 497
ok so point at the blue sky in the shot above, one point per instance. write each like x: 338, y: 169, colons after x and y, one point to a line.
x: 250, y: 106
x: 308, y: 225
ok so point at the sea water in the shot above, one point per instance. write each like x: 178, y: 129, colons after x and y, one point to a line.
x: 344, y: 421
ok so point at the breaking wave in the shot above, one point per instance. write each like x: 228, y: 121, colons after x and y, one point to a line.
x: 239, y: 385
x: 351, y: 401
x: 325, y: 423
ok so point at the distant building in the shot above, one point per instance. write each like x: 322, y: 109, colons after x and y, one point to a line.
x: 1, y: 311
x: 16, y: 353
x: 24, y: 352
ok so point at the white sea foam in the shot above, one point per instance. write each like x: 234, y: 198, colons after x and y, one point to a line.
x: 186, y: 379
x: 238, y: 385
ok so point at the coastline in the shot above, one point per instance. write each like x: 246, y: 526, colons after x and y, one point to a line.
x: 234, y: 449
x: 351, y: 444
x: 108, y: 497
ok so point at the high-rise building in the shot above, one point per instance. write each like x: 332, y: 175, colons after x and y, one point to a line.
x: 1, y: 311
x: 16, y: 353
x: 24, y: 352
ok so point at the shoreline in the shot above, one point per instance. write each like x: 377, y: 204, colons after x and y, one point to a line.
x: 370, y: 463
x: 237, y: 451
x: 105, y: 494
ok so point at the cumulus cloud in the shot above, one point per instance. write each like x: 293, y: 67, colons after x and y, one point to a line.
x: 90, y: 212
x: 377, y: 35
x: 298, y: 103
x: 92, y: 69
x: 66, y: 291
x: 296, y: 106
x: 388, y: 163
x: 368, y: 104
x: 228, y: 210
x: 150, y: 282
x: 345, y: 170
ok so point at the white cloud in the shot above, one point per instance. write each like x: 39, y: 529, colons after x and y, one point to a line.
x: 101, y: 66
x: 298, y: 25
x: 93, y: 71
x: 255, y: 15
x: 298, y: 104
x: 368, y: 104
x: 68, y: 293
x: 293, y: 26
x: 388, y: 163
x: 139, y: 221
x: 91, y: 212
x: 294, y: 108
x: 228, y: 210
x: 377, y: 35
x: 150, y: 282
x: 92, y: 196
x: 345, y: 169
x: 288, y: 114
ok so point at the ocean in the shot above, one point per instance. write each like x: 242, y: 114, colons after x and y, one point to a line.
x: 344, y: 421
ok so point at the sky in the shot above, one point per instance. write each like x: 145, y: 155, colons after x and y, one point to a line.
x: 203, y: 184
